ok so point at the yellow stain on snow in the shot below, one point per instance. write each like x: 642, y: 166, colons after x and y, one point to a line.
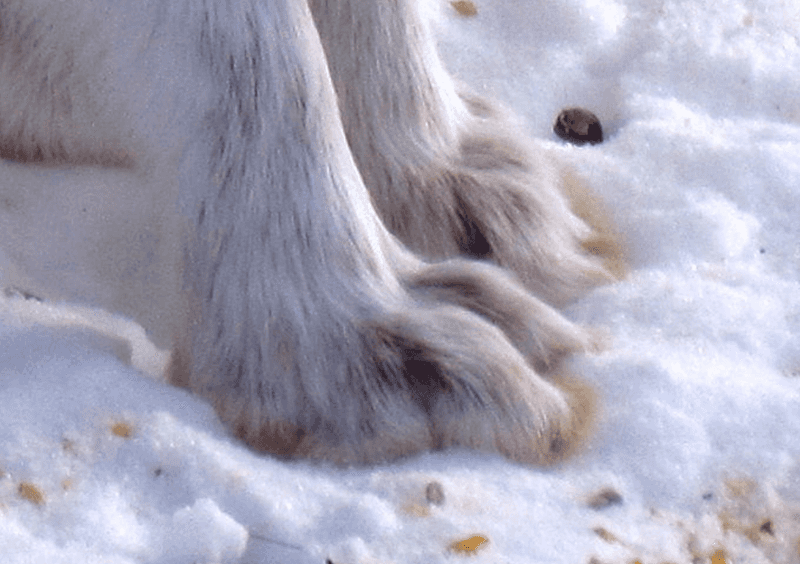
x: 465, y: 8
x: 718, y: 557
x: 470, y: 545
x: 122, y: 429
x: 31, y: 492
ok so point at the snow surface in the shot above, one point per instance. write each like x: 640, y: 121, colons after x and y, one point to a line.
x: 696, y: 457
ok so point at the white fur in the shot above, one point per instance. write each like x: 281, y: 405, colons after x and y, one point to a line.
x: 184, y: 162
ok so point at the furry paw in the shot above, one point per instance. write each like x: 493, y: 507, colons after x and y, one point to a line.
x: 447, y: 378
x: 456, y: 360
x: 500, y: 197
x: 537, y: 330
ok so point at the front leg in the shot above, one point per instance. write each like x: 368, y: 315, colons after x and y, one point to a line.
x: 310, y: 329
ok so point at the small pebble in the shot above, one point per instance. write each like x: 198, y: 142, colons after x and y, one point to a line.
x: 606, y: 535
x: 578, y: 126
x: 606, y: 497
x: 434, y: 493
x: 766, y: 527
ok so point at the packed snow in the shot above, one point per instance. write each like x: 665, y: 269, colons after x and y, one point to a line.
x: 696, y: 456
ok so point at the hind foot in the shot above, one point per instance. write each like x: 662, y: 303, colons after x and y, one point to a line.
x: 502, y: 198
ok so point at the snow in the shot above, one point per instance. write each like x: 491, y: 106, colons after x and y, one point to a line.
x: 696, y: 456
